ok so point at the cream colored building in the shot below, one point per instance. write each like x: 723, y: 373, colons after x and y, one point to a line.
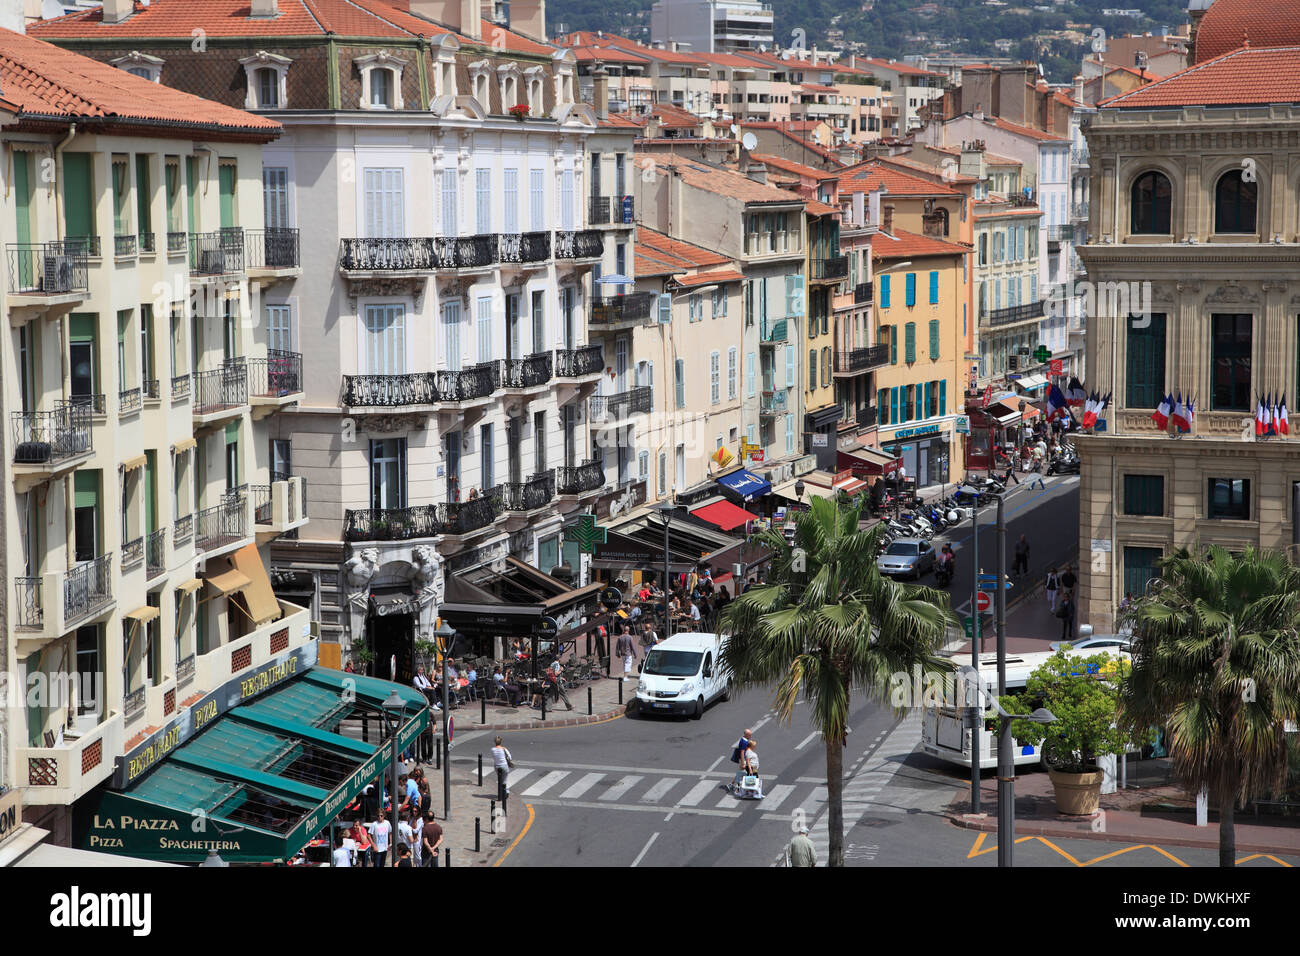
x: 1195, y: 267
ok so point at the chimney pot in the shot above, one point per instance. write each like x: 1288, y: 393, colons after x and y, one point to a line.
x: 887, y: 219
x: 264, y: 8
x: 115, y: 11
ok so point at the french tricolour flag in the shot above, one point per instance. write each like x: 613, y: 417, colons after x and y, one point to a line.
x: 1283, y: 426
x: 1056, y: 404
x: 1161, y: 415
x: 1074, y: 393
x: 1179, y: 415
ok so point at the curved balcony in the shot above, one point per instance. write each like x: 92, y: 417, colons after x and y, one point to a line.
x: 391, y: 524
x: 580, y: 479
x: 531, y: 372
x: 47, y: 444
x: 466, y: 517
x: 396, y: 254
x: 469, y: 384
x: 579, y: 244
x: 526, y: 247
x: 579, y: 362
x: 467, y: 252
x: 389, y: 391
x: 535, y: 493
x: 608, y: 409
x: 859, y: 361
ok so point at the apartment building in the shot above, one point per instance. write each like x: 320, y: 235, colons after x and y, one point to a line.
x: 437, y: 166
x: 712, y: 26
x: 1193, y: 236
x: 141, y: 391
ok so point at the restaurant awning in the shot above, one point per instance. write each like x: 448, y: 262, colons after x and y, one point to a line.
x: 810, y: 490
x: 510, y: 603
x: 266, y: 761
x: 869, y: 461
x: 185, y: 444
x: 724, y: 514
x: 746, y: 484
x: 190, y: 586
x: 1031, y: 382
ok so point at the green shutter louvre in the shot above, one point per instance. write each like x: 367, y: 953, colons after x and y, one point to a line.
x: 934, y: 340
x: 226, y: 183
x: 1146, y: 363
x: 910, y: 343
x: 78, y: 198
x: 943, y: 396
x: 192, y: 193
x: 934, y: 288
x: 143, y: 224
x: 884, y: 292
x: 893, y: 405
x: 893, y: 344
x: 911, y: 288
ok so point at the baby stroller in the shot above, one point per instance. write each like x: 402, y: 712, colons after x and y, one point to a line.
x: 751, y: 788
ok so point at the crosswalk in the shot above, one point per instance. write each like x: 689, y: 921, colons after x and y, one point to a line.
x: 631, y: 788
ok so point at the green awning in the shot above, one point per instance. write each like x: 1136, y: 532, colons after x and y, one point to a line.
x: 260, y: 779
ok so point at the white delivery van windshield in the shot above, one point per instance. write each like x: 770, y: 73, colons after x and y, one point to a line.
x: 672, y: 663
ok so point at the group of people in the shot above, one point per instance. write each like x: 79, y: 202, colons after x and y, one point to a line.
x: 1062, y: 584
x: 417, y: 836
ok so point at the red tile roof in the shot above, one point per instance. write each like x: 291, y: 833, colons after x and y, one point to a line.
x: 606, y: 54
x: 874, y: 173
x: 790, y: 166
x: 1231, y: 24
x: 48, y: 81
x: 1029, y: 131
x: 901, y: 68
x: 908, y: 245
x: 1241, y: 77
x: 657, y: 254
x: 724, y: 182
x: 710, y: 278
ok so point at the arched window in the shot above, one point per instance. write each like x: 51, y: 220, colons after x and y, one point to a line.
x: 1234, y: 203
x: 1149, y: 205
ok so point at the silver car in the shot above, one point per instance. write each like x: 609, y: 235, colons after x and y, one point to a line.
x: 906, y: 557
x: 1109, y: 643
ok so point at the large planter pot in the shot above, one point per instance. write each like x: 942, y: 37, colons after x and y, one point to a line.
x: 1077, y: 794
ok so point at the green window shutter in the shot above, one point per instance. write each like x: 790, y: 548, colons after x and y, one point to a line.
x: 143, y: 222
x: 120, y: 222
x: 22, y: 200
x: 226, y: 184
x: 934, y: 288
x: 78, y: 195
x: 893, y: 406
x: 943, y: 396
x: 812, y: 370
x: 911, y: 288
x: 884, y: 292
x: 929, y: 386
x: 86, y: 489
x: 81, y: 327
x: 934, y: 340
x: 910, y: 343
x: 150, y: 491
x: 192, y: 196
x: 920, y: 402
x: 171, y: 172
x: 893, y: 344
x: 882, y: 403
x: 1146, y: 363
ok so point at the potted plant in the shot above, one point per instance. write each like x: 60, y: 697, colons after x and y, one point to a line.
x: 424, y: 652
x: 520, y: 111
x: 1083, y: 694
x: 362, y: 657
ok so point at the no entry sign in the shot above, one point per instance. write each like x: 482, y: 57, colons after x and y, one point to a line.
x: 982, y: 601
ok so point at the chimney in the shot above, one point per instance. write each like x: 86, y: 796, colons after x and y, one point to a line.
x: 979, y: 111
x: 264, y: 8
x: 652, y: 128
x: 887, y: 220
x: 1078, y: 89
x: 529, y: 18
x: 115, y: 11
x: 600, y: 91
x: 873, y: 207
x: 755, y: 171
x: 463, y: 16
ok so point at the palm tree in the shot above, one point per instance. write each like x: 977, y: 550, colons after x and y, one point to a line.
x: 1216, y: 660
x: 826, y: 622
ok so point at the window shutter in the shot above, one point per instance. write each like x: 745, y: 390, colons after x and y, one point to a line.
x: 751, y: 384
x: 650, y: 380
x: 537, y: 199
x: 893, y: 404
x: 920, y: 406
x: 934, y: 288
x: 789, y: 434
x: 943, y: 396
x: 511, y: 225
x: 665, y: 308
x: 794, y: 295
x: 882, y: 405
x: 732, y: 356
x: 715, y: 378
x: 910, y: 342
x: 884, y: 292
x: 893, y: 343
x: 790, y: 375
x: 812, y: 370
x: 924, y: 411
x: 826, y: 367
x: 680, y: 381
x: 449, y: 227
x: 566, y: 200
x: 911, y: 288
x: 483, y: 201
x: 485, y: 329
x: 934, y: 340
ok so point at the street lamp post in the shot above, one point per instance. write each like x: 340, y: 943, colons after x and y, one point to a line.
x: 664, y: 512
x: 444, y: 633
x: 394, y: 711
x: 1007, y: 775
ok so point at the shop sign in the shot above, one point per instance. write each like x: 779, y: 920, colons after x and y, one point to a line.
x: 611, y: 598
x: 621, y: 502
x: 806, y: 464
x: 820, y: 440
x: 963, y: 425
x: 11, y: 813
x: 917, y: 432
x: 1057, y: 367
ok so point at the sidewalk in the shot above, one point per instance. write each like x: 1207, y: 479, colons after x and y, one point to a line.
x: 604, y: 706
x: 1157, y: 813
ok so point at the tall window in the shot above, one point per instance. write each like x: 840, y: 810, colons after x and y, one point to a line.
x: 451, y: 334
x: 1140, y: 566
x: 483, y: 201
x: 1146, y: 361
x: 537, y: 199
x: 485, y: 329
x: 715, y: 378
x: 385, y: 339
x: 279, y: 327
x: 275, y: 196
x: 733, y: 358
x: 1149, y: 205
x: 679, y: 381
x: 384, y: 203
x: 1228, y: 498
x: 1231, y: 345
x: 486, y: 454
x: 268, y: 89
x: 511, y: 200
x: 388, y: 473
x: 381, y: 89
x: 1144, y: 495
x: 1234, y: 203
x: 449, y: 202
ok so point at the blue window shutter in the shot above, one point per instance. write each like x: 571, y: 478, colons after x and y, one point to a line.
x: 943, y: 396
x: 884, y: 292
x: 920, y: 407
x: 893, y: 404
x: 925, y: 405
x: 893, y: 344
x: 911, y: 288
x: 790, y: 376
x: 665, y: 308
x: 934, y: 288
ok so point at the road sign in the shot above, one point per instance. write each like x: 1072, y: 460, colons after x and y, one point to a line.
x: 1042, y: 354
x: 982, y: 601
x: 1057, y: 367
x: 993, y: 585
x: 971, y: 625
x: 451, y: 728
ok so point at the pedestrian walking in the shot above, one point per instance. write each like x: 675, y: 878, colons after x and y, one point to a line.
x: 503, y: 763
x: 365, y: 847
x: 1068, y: 581
x: 1066, y: 614
x: 801, y: 850
x: 1053, y: 588
x: 1021, y: 565
x: 381, y: 832
x: 625, y: 649
x: 738, y: 757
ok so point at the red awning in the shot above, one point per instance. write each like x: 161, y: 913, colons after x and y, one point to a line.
x: 724, y: 514
x: 869, y: 461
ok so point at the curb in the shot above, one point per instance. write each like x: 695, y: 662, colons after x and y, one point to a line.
x: 1029, y: 828
x: 536, y: 724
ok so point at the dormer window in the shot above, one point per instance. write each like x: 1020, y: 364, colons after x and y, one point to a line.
x: 533, y: 78
x: 480, y: 73
x: 265, y: 75
x: 140, y: 64
x: 381, y: 81
x: 508, y: 78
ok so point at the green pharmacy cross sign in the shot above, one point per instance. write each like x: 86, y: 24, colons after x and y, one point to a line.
x: 1042, y: 354
x: 585, y: 533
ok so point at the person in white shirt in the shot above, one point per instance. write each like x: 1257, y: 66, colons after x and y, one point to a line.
x: 405, y: 834
x: 380, y: 831
x: 342, y: 856
x: 417, y: 843
x: 503, y: 762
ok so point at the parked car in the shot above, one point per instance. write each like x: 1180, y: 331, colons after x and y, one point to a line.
x: 906, y: 557
x: 1110, y: 643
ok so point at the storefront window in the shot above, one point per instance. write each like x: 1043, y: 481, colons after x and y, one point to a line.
x: 548, y: 553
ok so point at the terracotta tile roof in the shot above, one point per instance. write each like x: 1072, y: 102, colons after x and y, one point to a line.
x: 816, y: 88
x: 619, y: 121
x: 657, y: 254
x: 817, y: 208
x: 48, y: 81
x: 1028, y: 131
x: 925, y: 169
x: 874, y: 173
x: 724, y: 182
x: 1237, y: 78
x: 1007, y: 210
x: 784, y: 129
x: 901, y: 68
x: 907, y: 245
x: 669, y: 115
x: 606, y: 54
x: 710, y: 278
x: 1231, y: 24
x: 790, y: 166
x: 1140, y: 74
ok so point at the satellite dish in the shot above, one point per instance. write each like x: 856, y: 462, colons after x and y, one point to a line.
x: 734, y: 129
x: 749, y: 141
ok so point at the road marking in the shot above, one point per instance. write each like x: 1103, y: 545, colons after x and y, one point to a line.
x: 527, y: 826
x: 654, y: 794
x: 654, y: 836
x: 776, y: 796
x: 550, y: 780
x: 697, y: 793
x: 714, y: 764
x: 807, y: 740
x: 639, y: 807
x: 582, y: 786
x: 761, y: 723
x: 620, y: 788
x: 513, y: 778
x: 979, y: 850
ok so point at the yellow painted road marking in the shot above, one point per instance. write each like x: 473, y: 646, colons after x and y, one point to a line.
x: 512, y: 846
x: 1264, y: 856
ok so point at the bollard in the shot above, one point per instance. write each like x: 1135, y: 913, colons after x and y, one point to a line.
x: 483, y: 705
x: 477, y: 845
x: 620, y: 692
x: 480, y: 770
x: 447, y: 859
x: 543, y: 704
x: 492, y: 819
x: 589, y: 710
x: 439, y: 750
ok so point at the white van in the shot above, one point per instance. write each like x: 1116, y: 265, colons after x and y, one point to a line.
x: 682, y: 675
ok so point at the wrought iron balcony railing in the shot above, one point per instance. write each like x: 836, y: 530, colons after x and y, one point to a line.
x: 862, y: 360
x: 633, y: 307
x: 603, y: 210
x: 97, y: 404
x: 615, y: 408
x: 27, y: 593
x: 125, y: 246
x: 1060, y: 232
x: 1011, y: 314
x: 537, y: 492
x: 261, y: 503
x: 773, y: 403
x: 79, y: 246
x: 47, y: 438
x: 389, y: 391
x: 221, y: 388
x: 217, y: 253
x: 149, y: 389
x: 133, y: 554
x: 467, y: 252
x: 835, y: 267
x: 155, y: 554
x: 147, y: 242
x: 272, y: 248
x: 391, y: 524
x: 579, y: 479
x: 183, y: 529
x: 397, y: 254
x: 221, y: 524
x: 88, y: 588
x: 463, y: 385
x: 177, y: 242
x: 129, y: 401
x: 861, y: 293
x: 525, y: 247
x: 463, y: 517
x: 527, y: 372
x: 868, y: 416
x: 46, y: 268
x: 180, y: 386
x: 574, y: 363
x: 276, y: 376
x: 580, y: 244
